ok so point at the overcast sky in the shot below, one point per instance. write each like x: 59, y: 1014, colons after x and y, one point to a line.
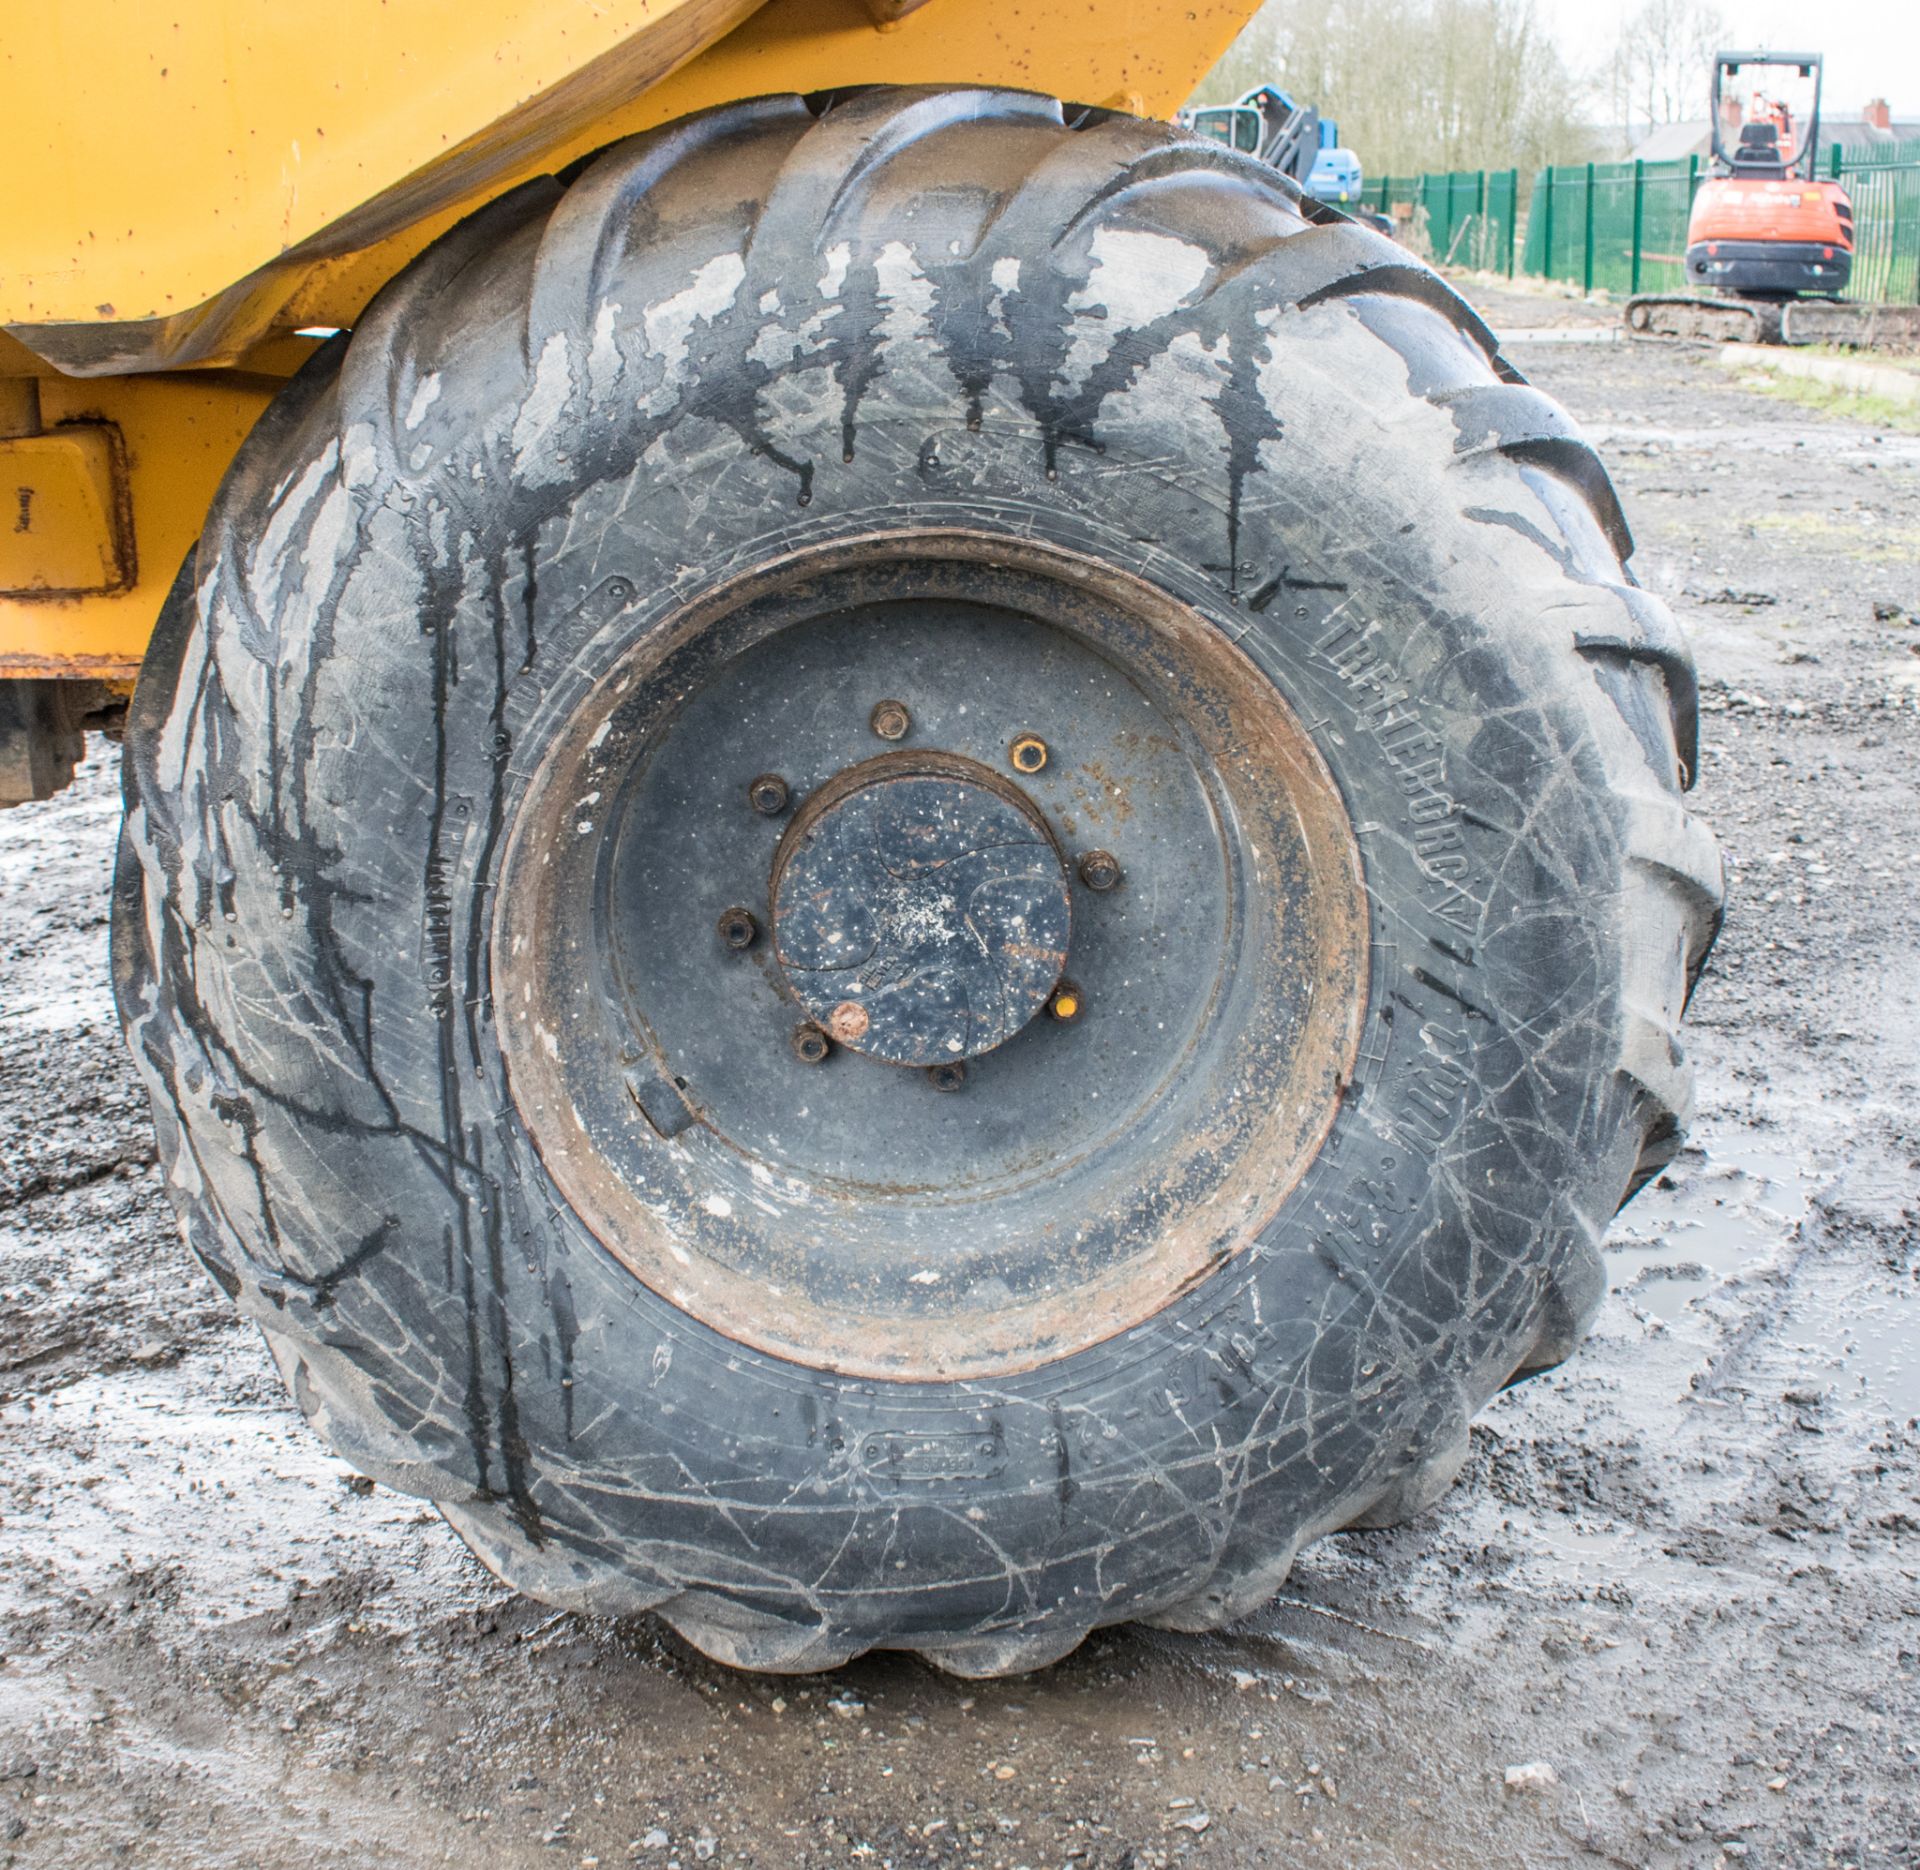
x: 1872, y: 47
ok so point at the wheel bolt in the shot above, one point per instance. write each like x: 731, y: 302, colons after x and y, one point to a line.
x: 890, y: 720
x: 810, y: 1044
x: 1028, y: 753
x: 1068, y: 1002
x: 1099, y: 870
x: 768, y: 795
x: 737, y: 927
x: 949, y: 1077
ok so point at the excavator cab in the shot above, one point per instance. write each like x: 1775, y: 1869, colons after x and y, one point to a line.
x: 1266, y: 123
x: 1295, y: 139
x: 1766, y: 114
x: 1238, y: 126
x: 1768, y: 237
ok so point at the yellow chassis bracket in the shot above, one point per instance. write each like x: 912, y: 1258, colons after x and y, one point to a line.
x: 171, y: 438
x: 64, y: 524
x: 269, y: 168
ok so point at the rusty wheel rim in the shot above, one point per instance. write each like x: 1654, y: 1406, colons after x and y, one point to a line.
x: 1087, y: 1166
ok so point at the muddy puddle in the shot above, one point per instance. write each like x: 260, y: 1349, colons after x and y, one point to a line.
x: 1729, y: 1213
x: 1710, y: 1220
x: 132, y: 1473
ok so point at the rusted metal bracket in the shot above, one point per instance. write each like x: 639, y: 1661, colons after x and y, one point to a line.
x: 65, y: 509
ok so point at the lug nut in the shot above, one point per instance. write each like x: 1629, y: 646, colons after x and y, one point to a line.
x: 949, y: 1077
x: 1099, y: 870
x: 1028, y: 753
x: 890, y: 720
x: 1068, y: 1002
x: 810, y: 1044
x: 737, y: 927
x: 768, y: 795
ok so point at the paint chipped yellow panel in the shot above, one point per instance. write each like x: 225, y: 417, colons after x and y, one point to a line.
x: 159, y: 150
x: 178, y: 433
x: 285, y: 157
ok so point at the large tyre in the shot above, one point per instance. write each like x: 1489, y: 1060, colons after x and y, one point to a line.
x: 1052, y: 425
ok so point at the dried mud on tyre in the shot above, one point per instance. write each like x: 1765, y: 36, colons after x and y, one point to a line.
x: 1046, y: 427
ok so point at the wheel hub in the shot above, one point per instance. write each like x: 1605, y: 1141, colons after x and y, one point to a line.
x: 921, y: 908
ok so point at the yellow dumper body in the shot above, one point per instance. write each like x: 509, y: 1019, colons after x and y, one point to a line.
x: 197, y: 185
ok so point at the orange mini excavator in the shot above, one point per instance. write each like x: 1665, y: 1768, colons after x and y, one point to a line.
x: 1766, y: 235
x: 1761, y: 222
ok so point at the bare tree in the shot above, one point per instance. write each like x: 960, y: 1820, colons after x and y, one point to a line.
x: 1417, y: 84
x: 1660, y: 70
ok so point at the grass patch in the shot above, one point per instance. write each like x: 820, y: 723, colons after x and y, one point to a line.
x: 1854, y: 534
x: 1836, y: 404
x: 1840, y: 354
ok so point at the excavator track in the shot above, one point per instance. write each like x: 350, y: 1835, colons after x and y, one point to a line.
x: 1771, y: 321
x: 1707, y: 321
x: 1859, y: 327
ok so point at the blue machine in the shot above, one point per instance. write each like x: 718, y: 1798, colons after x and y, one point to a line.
x: 1292, y: 136
x: 1335, y: 176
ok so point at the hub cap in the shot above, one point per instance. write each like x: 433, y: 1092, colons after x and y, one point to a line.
x: 921, y: 908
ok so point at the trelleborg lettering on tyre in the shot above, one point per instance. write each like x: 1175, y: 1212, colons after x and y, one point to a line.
x: 1041, y: 425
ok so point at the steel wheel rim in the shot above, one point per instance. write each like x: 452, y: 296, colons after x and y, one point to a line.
x: 893, y: 1276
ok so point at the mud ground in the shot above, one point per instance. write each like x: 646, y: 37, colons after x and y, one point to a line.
x: 1682, y: 1573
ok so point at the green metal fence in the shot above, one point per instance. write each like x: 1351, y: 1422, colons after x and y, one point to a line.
x: 1466, y: 217
x: 1886, y: 229
x: 1622, y: 226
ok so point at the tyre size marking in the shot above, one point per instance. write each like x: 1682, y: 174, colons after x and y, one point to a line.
x: 1436, y: 1089
x: 438, y: 914
x: 1438, y: 1080
x: 1417, y: 755
x: 1223, y: 1363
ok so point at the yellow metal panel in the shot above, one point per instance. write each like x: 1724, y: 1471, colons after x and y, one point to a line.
x: 1143, y: 56
x: 62, y: 525
x: 178, y: 432
x: 156, y: 153
x: 214, y: 216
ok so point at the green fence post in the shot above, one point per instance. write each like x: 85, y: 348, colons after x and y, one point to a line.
x: 1513, y: 215
x: 1586, y: 268
x: 1639, y: 201
x: 1546, y: 228
x: 1916, y: 274
x: 1834, y: 162
x: 1894, y: 233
